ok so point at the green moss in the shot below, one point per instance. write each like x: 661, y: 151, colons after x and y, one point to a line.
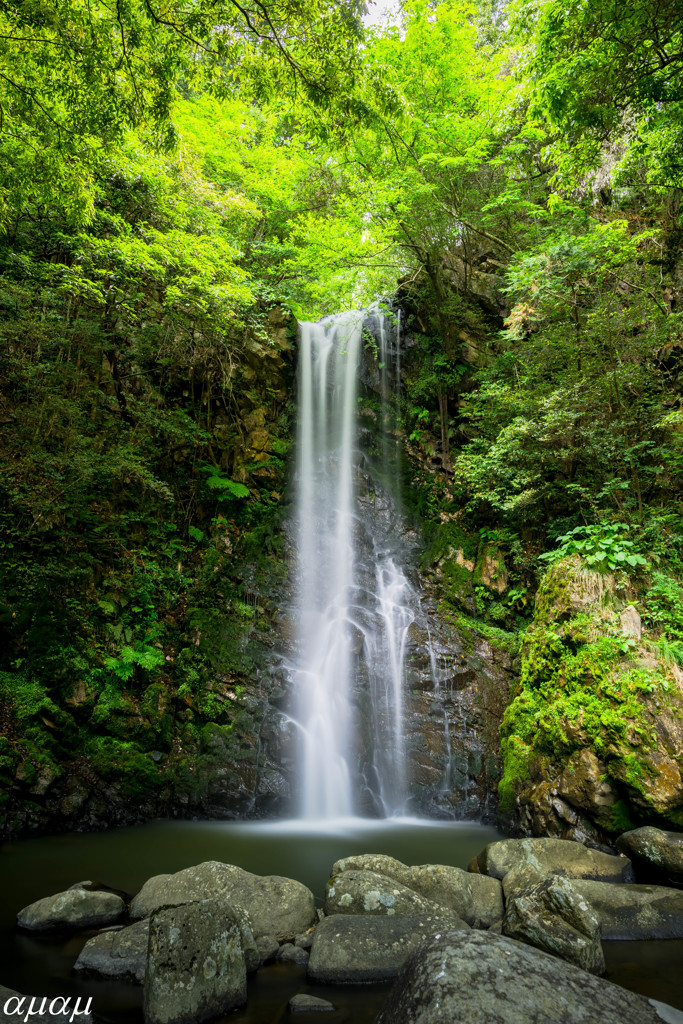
x: 516, y: 754
x: 580, y: 687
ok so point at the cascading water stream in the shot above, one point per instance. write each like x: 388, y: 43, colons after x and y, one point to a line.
x: 355, y: 604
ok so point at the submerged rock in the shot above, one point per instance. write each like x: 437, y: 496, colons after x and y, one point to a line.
x: 553, y: 856
x: 657, y: 854
x: 272, y: 905
x: 366, y: 948
x: 478, y: 978
x: 116, y: 954
x: 195, y: 964
x: 73, y: 909
x: 305, y: 1003
x: 635, y: 911
x: 477, y: 899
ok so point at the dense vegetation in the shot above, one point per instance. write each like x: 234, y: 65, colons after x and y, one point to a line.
x: 173, y: 188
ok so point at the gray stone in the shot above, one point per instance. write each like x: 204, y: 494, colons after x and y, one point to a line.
x: 120, y: 954
x: 477, y: 899
x: 553, y: 856
x: 655, y: 853
x: 272, y: 905
x: 267, y: 946
x: 303, y: 1003
x: 305, y: 940
x: 478, y: 978
x: 364, y: 892
x: 195, y: 964
x: 40, y: 1007
x: 552, y: 916
x: 363, y: 948
x: 630, y: 622
x: 635, y: 911
x: 73, y: 909
x: 291, y: 954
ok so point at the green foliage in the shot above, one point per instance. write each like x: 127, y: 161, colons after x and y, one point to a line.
x: 217, y: 480
x: 603, y: 546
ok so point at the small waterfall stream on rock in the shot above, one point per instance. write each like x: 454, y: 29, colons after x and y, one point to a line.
x: 355, y: 605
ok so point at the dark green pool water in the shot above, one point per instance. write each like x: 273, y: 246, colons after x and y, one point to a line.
x: 124, y: 858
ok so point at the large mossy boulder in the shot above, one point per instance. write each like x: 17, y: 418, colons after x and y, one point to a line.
x: 270, y: 904
x: 475, y: 898
x: 364, y: 892
x: 553, y: 856
x: 479, y: 977
x: 592, y: 741
x: 195, y: 964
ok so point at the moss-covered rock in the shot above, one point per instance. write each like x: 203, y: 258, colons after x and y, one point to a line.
x: 592, y: 741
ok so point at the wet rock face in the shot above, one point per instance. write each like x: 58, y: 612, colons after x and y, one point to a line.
x: 514, y: 984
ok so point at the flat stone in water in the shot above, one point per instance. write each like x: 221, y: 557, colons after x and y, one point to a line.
x: 70, y: 910
x: 304, y: 1003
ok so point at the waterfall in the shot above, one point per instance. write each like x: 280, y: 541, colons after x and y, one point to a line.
x: 325, y: 521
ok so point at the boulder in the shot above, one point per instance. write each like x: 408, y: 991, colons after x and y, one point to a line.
x: 15, y: 1007
x: 553, y: 856
x: 634, y: 911
x: 76, y: 908
x: 303, y: 1003
x: 195, y: 964
x: 475, y: 898
x: 272, y: 905
x: 550, y: 915
x: 368, y: 948
x: 267, y: 946
x: 477, y: 978
x: 656, y: 854
x: 364, y: 892
x: 291, y: 954
x: 116, y: 954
